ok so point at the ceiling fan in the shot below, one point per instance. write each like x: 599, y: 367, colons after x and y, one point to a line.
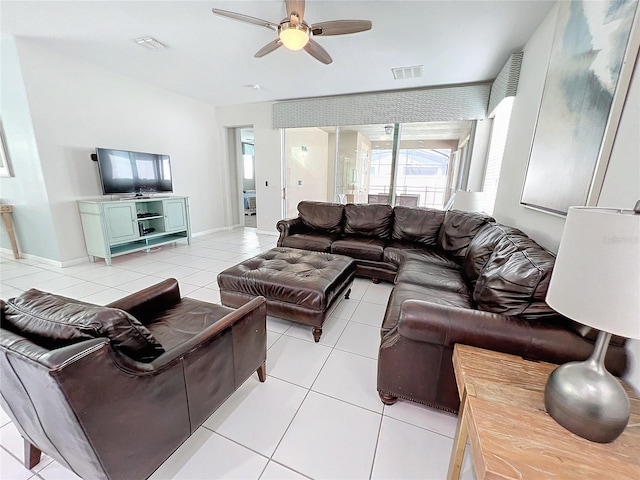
x: 295, y: 34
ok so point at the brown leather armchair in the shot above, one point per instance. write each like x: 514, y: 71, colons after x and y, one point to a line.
x: 110, y: 392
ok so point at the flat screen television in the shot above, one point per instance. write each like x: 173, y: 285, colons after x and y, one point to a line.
x: 138, y: 173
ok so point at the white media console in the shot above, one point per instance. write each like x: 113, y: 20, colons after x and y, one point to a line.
x: 118, y: 227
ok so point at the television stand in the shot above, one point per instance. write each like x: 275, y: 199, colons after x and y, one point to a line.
x: 117, y: 227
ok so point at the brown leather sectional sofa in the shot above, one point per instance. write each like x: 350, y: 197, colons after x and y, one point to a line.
x: 459, y: 278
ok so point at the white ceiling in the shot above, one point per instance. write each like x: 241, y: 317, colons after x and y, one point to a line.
x: 210, y: 58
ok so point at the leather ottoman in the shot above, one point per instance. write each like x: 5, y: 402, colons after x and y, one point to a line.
x: 299, y: 285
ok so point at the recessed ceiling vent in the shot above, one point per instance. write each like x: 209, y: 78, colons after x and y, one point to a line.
x: 403, y: 73
x: 150, y: 43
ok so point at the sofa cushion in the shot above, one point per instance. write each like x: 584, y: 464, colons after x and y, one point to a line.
x: 482, y: 246
x: 457, y: 230
x: 397, y: 251
x: 321, y: 216
x: 515, y: 279
x: 419, y: 225
x: 365, y: 248
x: 316, y: 242
x: 184, y: 320
x: 53, y: 321
x: 444, y: 277
x: 368, y: 220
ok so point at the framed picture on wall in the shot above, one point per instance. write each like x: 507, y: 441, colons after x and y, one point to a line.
x: 5, y: 166
x: 592, y: 57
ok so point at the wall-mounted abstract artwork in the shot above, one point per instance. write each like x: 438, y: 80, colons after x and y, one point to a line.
x: 588, y: 52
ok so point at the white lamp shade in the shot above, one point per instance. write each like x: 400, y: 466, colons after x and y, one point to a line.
x: 596, y: 277
x: 467, y: 201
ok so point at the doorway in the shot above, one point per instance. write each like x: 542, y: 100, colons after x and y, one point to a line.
x: 247, y: 167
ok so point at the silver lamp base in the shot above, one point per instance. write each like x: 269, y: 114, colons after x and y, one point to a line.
x: 586, y: 399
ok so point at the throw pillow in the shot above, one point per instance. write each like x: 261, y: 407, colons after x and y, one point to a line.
x: 515, y: 280
x: 419, y: 225
x: 457, y: 231
x: 368, y: 220
x: 321, y: 216
x: 53, y: 321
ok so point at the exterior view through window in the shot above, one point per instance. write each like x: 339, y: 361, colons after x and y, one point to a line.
x: 413, y: 164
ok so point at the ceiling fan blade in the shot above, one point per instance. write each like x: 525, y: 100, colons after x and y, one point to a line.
x: 268, y: 48
x: 340, y: 27
x: 245, y: 19
x: 316, y: 51
x: 296, y: 8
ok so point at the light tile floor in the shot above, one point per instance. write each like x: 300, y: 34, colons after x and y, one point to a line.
x: 318, y: 415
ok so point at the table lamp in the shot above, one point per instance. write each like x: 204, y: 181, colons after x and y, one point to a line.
x: 595, y: 281
x: 467, y: 201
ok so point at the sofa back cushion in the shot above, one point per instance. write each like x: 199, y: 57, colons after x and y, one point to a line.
x: 515, y: 279
x: 321, y: 216
x: 418, y: 225
x: 368, y: 220
x: 457, y: 230
x: 52, y: 321
x: 482, y: 246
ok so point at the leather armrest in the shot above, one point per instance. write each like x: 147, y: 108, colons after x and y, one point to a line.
x: 58, y: 358
x: 444, y: 325
x: 146, y: 304
x: 290, y: 226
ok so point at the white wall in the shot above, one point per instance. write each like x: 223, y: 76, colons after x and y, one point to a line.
x: 76, y: 106
x: 26, y: 190
x: 621, y: 187
x: 544, y: 228
x: 306, y: 177
x: 268, y: 148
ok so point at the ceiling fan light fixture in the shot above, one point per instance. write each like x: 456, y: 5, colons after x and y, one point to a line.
x: 294, y: 37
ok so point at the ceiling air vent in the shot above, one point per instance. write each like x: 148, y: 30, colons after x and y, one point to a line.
x: 150, y: 43
x: 403, y: 73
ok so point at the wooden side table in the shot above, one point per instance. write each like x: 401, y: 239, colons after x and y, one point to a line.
x: 5, y: 211
x: 511, y: 435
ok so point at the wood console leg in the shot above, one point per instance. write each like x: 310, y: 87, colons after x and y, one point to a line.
x: 317, y: 332
x: 31, y: 455
x: 459, y: 442
x: 8, y: 223
x: 262, y: 372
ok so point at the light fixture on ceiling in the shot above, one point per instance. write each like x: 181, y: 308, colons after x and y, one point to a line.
x: 150, y: 43
x: 294, y: 36
x: 388, y: 129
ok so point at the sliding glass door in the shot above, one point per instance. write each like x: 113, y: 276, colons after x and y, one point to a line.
x: 414, y: 164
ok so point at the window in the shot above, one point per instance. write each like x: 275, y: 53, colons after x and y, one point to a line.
x: 500, y: 128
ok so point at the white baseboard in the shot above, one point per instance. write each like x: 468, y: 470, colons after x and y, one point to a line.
x: 207, y: 232
x: 46, y: 261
